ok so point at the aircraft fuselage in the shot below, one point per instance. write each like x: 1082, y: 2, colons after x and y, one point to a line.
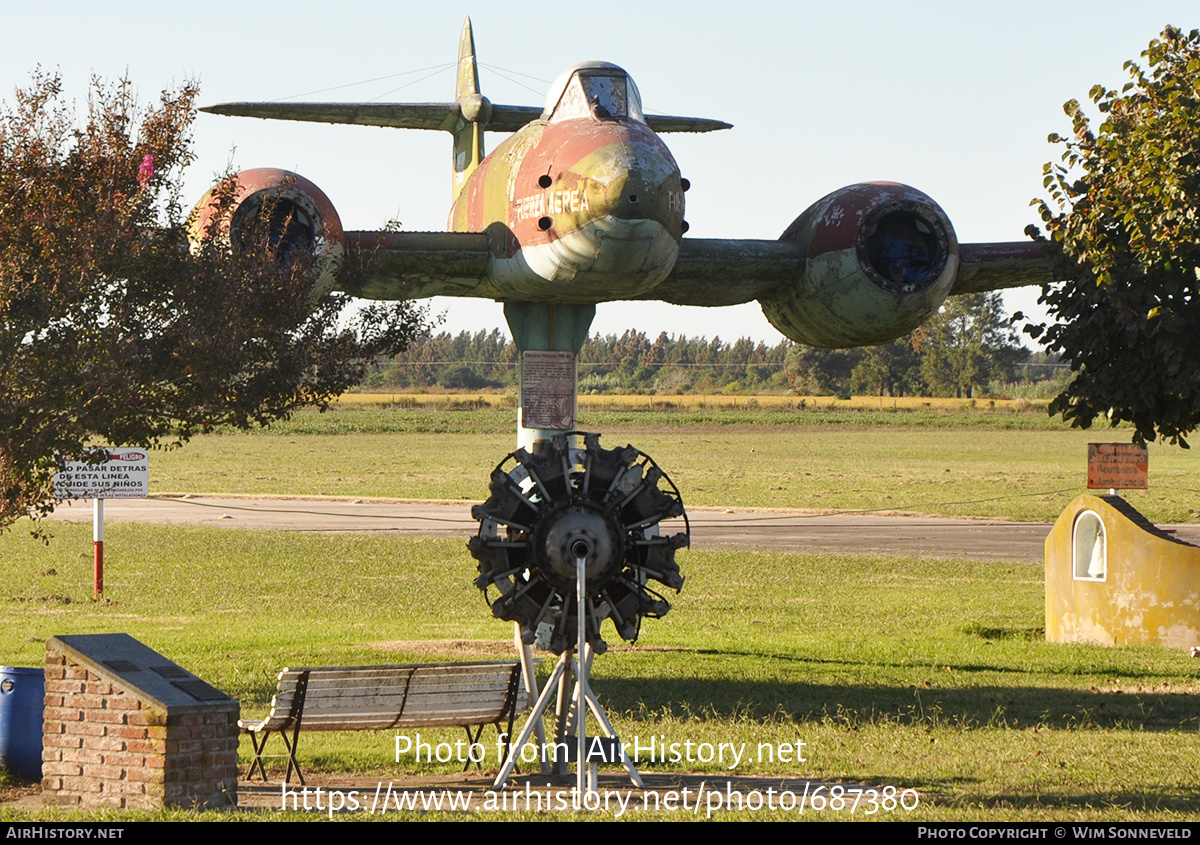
x: 578, y: 210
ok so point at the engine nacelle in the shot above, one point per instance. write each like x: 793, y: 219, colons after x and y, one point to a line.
x: 880, y: 260
x: 295, y: 214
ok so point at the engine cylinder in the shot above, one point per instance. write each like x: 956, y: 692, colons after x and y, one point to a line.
x: 879, y: 260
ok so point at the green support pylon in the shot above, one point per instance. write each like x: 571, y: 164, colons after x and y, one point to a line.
x: 541, y: 327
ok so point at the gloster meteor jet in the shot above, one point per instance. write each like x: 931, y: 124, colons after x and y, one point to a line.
x: 584, y: 203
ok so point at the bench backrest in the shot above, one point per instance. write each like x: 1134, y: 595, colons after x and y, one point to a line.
x: 419, y: 695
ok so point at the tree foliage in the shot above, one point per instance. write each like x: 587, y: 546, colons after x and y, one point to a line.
x: 624, y: 363
x: 970, y: 330
x: 966, y: 345
x: 114, y: 329
x: 893, y: 368
x: 815, y: 371
x: 1125, y: 229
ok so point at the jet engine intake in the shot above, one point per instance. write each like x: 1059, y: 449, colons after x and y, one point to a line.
x: 880, y: 259
x: 286, y: 210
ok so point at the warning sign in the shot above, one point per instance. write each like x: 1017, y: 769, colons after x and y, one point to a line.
x: 1117, y: 466
x: 125, y: 475
x: 548, y: 390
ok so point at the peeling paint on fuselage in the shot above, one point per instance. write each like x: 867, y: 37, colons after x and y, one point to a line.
x: 581, y: 210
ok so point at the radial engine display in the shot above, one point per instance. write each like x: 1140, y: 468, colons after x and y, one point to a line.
x: 550, y: 508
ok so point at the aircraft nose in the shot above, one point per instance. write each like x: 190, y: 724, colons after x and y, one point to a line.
x: 641, y: 182
x: 611, y: 220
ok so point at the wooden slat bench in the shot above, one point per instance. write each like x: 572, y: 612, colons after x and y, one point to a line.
x: 356, y: 698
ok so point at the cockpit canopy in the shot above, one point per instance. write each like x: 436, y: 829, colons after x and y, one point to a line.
x: 596, y: 90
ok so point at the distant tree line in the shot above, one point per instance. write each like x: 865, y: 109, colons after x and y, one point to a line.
x: 967, y: 350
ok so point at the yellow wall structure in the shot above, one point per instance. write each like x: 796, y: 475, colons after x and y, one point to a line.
x: 1113, y: 578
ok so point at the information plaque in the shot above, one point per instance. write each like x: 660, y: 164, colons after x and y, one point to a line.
x: 548, y: 390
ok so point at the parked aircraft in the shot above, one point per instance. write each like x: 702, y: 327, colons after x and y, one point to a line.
x: 584, y: 203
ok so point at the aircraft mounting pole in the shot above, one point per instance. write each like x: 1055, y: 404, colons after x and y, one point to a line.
x: 549, y: 339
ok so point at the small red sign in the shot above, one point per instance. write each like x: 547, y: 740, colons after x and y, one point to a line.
x: 1118, y: 466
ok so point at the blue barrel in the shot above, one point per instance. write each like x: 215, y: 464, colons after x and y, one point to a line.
x: 22, y: 698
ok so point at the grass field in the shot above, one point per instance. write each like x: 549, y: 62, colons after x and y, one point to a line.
x: 962, y: 462
x: 914, y: 673
x: 930, y: 675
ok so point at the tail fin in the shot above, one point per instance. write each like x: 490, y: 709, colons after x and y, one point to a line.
x: 475, y: 110
x: 468, y: 75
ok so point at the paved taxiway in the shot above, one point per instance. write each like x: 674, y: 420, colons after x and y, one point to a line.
x: 776, y: 530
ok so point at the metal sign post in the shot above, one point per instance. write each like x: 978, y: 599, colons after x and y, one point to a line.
x: 123, y: 474
x: 583, y: 782
x: 560, y: 516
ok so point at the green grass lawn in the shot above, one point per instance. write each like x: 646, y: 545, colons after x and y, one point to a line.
x: 929, y: 675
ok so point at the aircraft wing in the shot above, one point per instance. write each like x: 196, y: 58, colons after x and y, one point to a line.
x: 717, y: 272
x: 709, y: 271
x: 833, y: 290
x: 444, y: 116
x: 417, y: 265
x: 983, y: 267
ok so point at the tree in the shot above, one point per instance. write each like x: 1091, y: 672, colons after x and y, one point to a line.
x: 820, y: 372
x: 113, y: 327
x: 967, y: 344
x: 893, y: 368
x: 1125, y: 231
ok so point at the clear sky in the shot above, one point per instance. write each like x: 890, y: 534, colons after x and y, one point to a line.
x: 955, y: 98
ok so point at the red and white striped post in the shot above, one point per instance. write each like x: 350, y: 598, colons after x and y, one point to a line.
x: 98, y: 545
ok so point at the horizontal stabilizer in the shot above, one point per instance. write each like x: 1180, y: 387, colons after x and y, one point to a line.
x: 670, y: 123
x: 444, y: 116
x: 399, y: 115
